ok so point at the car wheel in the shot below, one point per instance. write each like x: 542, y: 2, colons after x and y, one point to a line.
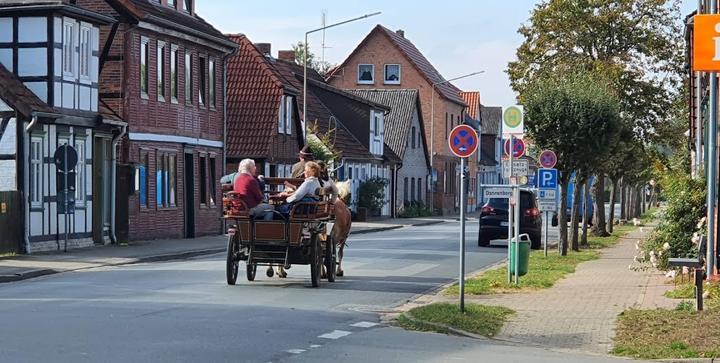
x: 535, y: 242
x: 483, y: 241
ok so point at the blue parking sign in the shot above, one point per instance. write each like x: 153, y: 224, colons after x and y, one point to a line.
x: 547, y: 178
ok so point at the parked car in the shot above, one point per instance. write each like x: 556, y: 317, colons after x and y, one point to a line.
x: 494, y: 220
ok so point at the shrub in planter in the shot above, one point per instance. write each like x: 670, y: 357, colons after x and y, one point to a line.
x: 414, y: 209
x: 371, y: 194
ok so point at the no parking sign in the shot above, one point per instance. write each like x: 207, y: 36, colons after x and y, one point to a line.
x: 463, y: 141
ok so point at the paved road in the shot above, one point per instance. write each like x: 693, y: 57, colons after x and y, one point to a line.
x: 184, y: 311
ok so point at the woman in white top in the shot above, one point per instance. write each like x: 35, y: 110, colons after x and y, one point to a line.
x: 305, y: 190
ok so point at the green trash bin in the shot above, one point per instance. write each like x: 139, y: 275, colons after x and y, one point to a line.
x: 524, y: 255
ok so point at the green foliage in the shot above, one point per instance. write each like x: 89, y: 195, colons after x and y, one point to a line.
x: 371, y: 194
x: 478, y: 319
x: 320, y: 66
x: 322, y: 145
x: 414, y: 209
x: 686, y: 207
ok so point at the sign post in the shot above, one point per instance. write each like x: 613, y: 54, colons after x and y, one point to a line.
x: 547, y: 190
x: 514, y: 127
x: 463, y: 141
x: 65, y: 160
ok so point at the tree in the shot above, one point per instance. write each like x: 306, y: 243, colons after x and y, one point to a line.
x: 320, y: 66
x: 577, y: 116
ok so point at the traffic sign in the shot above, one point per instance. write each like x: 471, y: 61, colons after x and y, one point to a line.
x: 547, y: 194
x: 520, y: 168
x: 463, y: 141
x: 518, y: 148
x: 65, y: 158
x: 548, y: 159
x: 513, y: 122
x: 705, y: 43
x: 497, y: 192
x: 547, y: 178
x: 545, y: 205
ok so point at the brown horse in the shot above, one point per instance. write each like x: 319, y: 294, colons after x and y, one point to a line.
x: 343, y: 222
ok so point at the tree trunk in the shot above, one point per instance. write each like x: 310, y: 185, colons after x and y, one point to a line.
x: 644, y: 199
x: 623, y: 200
x: 613, y: 197
x: 628, y: 202
x: 600, y: 227
x: 575, y: 219
x: 563, y: 218
x: 638, y: 201
x: 586, y: 211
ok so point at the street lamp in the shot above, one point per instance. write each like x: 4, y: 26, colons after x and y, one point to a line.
x: 305, y: 52
x: 432, y: 126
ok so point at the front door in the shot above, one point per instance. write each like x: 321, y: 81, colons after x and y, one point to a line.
x: 189, y: 196
x: 102, y: 183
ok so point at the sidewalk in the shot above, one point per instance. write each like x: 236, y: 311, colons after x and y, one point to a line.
x: 23, y: 267
x: 579, y: 313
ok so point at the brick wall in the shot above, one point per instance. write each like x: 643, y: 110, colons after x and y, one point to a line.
x: 378, y: 50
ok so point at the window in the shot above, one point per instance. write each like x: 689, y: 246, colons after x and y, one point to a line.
x: 211, y: 84
x: 201, y: 77
x: 174, y: 73
x: 211, y: 181
x: 203, y: 181
x: 144, y: 71
x: 188, y: 77
x: 188, y: 6
x: 413, y: 137
x: 36, y: 154
x: 392, y: 74
x: 288, y: 114
x: 281, y: 116
x: 405, y: 190
x: 80, y: 189
x: 165, y: 176
x: 161, y: 70
x: 412, y: 188
x: 419, y: 190
x: 85, y: 52
x: 171, y: 3
x: 141, y: 180
x: 69, y: 49
x: 366, y: 74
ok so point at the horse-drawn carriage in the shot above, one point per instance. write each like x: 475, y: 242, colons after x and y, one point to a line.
x: 297, y: 238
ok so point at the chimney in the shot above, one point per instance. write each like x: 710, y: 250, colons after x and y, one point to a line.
x: 287, y: 55
x: 264, y: 48
x: 400, y: 32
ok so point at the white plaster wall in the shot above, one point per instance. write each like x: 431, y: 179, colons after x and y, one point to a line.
x: 8, y: 175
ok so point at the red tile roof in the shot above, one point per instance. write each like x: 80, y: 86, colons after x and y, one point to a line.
x: 407, y: 48
x: 254, y: 91
x: 19, y: 97
x: 472, y: 98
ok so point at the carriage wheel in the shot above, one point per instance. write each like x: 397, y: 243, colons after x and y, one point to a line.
x: 250, y: 270
x: 330, y: 259
x: 315, y: 260
x: 231, y: 267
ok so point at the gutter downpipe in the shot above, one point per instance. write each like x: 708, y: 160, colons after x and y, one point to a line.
x: 113, y: 188
x: 26, y: 233
x: 712, y: 168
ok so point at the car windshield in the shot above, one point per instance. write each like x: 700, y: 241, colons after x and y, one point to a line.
x: 526, y: 201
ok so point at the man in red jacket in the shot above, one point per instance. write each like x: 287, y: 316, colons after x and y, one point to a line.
x: 248, y: 189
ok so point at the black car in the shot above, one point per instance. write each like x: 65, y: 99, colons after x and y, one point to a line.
x: 494, y: 220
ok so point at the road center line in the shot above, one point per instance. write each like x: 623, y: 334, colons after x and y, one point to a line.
x: 335, y: 334
x: 364, y: 324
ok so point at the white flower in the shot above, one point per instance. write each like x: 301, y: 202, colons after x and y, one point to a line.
x: 671, y: 274
x: 685, y: 270
x: 653, y: 260
x: 695, y: 238
x: 702, y: 222
x: 660, y: 253
x: 706, y: 294
x: 666, y: 246
x: 652, y: 253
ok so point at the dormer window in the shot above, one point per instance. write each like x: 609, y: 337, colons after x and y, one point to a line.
x: 392, y: 74
x: 366, y: 74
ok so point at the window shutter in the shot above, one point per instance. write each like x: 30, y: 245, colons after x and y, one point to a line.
x: 281, y: 116
x: 288, y: 114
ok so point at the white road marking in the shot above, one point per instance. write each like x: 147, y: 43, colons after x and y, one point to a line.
x: 364, y: 324
x: 315, y: 346
x: 295, y: 351
x: 336, y: 334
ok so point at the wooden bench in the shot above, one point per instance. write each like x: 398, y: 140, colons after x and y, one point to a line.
x: 698, y: 266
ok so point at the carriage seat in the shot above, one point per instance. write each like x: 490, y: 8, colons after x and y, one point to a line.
x: 234, y: 207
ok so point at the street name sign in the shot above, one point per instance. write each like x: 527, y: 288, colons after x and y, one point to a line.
x: 497, y: 192
x: 547, y: 178
x: 513, y: 122
x: 520, y: 168
x: 463, y: 141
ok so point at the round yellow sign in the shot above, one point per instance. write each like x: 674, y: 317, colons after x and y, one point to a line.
x: 512, y: 117
x: 523, y: 180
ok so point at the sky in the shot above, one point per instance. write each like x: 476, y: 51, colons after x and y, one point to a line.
x: 457, y: 36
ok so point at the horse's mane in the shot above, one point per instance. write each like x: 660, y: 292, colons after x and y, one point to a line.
x: 343, y: 189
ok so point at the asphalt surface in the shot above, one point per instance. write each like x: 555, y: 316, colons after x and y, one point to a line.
x: 183, y: 311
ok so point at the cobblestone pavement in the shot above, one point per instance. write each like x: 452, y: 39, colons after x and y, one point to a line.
x: 580, y: 311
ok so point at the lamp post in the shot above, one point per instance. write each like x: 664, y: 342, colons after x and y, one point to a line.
x: 432, y: 128
x: 305, y: 52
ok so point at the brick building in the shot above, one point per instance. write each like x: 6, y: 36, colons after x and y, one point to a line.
x: 387, y: 60
x: 262, y: 108
x: 161, y: 71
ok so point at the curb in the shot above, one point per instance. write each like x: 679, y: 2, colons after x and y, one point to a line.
x: 449, y: 329
x: 427, y: 223
x: 373, y: 230
x: 27, y: 275
x: 688, y: 360
x: 154, y: 258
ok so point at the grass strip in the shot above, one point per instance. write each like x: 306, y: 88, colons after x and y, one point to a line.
x: 543, y: 272
x: 478, y: 319
x: 668, y: 334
